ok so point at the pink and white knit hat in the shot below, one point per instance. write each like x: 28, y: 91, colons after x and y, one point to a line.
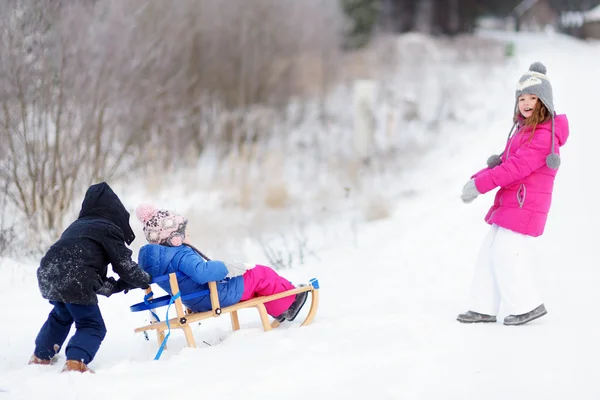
x: 161, y: 226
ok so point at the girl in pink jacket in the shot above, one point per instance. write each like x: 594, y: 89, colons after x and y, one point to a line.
x: 525, y: 174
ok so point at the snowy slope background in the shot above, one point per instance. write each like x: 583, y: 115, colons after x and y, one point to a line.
x: 385, y: 328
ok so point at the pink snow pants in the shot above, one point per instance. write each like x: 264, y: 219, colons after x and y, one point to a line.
x: 263, y: 281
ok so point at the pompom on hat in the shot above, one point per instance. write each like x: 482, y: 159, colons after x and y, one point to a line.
x: 161, y: 226
x: 144, y: 212
x: 535, y: 82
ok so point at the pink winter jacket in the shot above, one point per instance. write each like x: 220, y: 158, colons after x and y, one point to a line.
x: 525, y: 182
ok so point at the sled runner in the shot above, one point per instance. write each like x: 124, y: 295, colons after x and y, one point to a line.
x: 185, y: 317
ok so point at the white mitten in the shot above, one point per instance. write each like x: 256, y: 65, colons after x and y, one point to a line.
x: 469, y: 192
x: 236, y: 268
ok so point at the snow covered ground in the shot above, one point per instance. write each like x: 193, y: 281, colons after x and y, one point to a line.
x: 386, y: 325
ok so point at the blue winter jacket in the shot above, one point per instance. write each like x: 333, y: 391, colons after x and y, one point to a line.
x: 161, y: 260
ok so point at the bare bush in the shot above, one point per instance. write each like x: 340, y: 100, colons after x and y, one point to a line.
x: 287, y: 248
x: 55, y: 113
x: 90, y: 90
x: 7, y: 227
x: 190, y: 62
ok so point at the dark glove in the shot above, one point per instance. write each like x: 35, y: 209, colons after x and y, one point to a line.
x: 112, y: 286
x: 142, y: 282
x: 108, y: 287
x: 123, y: 286
x: 150, y: 278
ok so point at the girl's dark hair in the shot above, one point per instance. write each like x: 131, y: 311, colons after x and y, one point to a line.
x: 197, y: 251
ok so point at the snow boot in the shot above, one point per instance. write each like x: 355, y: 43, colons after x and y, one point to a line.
x: 44, y: 361
x: 521, y: 319
x: 40, y: 361
x: 280, y: 318
x: 471, y: 317
x: 77, y: 366
x: 291, y: 313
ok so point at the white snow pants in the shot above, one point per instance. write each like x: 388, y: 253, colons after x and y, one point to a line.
x: 503, y: 275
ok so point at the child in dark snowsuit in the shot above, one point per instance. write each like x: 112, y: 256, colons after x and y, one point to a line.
x: 73, y: 272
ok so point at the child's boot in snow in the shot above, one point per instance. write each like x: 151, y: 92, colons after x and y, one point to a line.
x: 291, y: 313
x: 521, y: 319
x: 471, y: 317
x: 280, y: 318
x: 44, y: 361
x: 74, y: 365
x: 40, y: 361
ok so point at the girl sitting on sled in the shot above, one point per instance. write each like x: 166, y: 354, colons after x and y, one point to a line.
x: 169, y: 251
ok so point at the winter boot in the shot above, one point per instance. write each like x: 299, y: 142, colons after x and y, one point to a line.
x: 77, y: 366
x: 291, y: 313
x: 40, y: 361
x: 521, y: 319
x: 471, y: 316
x: 280, y: 318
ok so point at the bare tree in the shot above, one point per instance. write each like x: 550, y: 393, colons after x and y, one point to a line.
x: 53, y: 115
x: 424, y: 16
x: 453, y: 16
x: 90, y: 90
x: 7, y: 227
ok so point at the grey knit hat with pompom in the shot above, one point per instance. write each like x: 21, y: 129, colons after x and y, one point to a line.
x: 537, y: 83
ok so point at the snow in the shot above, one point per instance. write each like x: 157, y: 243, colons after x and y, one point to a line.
x: 593, y: 14
x: 386, y: 324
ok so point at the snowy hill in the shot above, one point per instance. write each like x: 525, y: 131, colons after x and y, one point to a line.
x: 386, y: 326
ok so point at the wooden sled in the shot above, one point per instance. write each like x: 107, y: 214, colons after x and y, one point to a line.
x: 185, y: 317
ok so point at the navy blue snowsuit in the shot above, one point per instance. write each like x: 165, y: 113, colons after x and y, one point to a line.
x: 75, y: 268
